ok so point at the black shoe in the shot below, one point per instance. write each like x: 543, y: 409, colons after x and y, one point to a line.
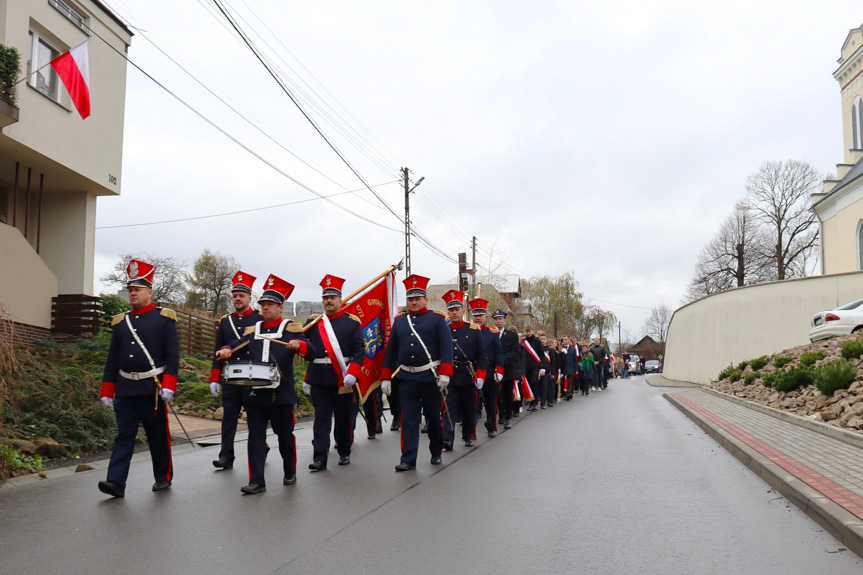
x: 345, y: 460
x: 514, y: 415
x: 112, y: 489
x: 551, y: 405
x: 447, y: 445
x: 425, y: 427
x: 318, y: 465
x: 292, y: 480
x: 253, y: 489
x: 468, y: 442
x: 436, y: 460
x: 379, y: 428
x: 541, y: 407
x: 372, y: 436
x: 492, y: 433
x: 161, y: 485
x: 223, y: 463
x: 500, y: 421
x: 507, y: 424
x: 405, y: 466
x: 395, y: 426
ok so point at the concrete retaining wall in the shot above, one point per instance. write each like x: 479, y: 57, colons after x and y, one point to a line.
x: 706, y: 335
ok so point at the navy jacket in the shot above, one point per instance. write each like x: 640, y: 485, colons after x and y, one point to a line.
x: 157, y: 329
x: 493, y: 350
x: 470, y: 349
x: 511, y: 349
x: 404, y: 349
x: 350, y: 337
x: 232, y: 326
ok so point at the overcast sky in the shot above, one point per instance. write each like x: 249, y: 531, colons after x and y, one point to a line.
x: 609, y: 139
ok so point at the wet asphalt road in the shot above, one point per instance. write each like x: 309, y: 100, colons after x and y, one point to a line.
x: 617, y: 482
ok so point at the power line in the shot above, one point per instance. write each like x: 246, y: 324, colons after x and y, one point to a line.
x: 191, y: 218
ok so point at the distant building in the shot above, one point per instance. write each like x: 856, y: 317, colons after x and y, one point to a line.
x: 303, y: 309
x: 839, y: 206
x: 53, y: 164
x: 648, y: 348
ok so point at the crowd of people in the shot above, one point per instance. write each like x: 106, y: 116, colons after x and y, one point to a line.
x: 441, y: 376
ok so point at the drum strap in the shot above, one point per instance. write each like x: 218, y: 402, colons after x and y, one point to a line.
x: 144, y: 349
x: 233, y: 327
x: 422, y: 343
x: 265, y: 354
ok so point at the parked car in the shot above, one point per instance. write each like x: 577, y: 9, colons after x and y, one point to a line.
x: 652, y: 366
x: 634, y: 364
x: 843, y: 320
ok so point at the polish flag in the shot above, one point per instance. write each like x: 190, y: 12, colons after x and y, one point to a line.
x: 73, y: 68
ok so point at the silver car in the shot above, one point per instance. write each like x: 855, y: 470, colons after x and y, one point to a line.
x: 843, y: 320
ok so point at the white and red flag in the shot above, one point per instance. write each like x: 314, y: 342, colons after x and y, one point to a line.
x: 73, y: 68
x: 531, y: 352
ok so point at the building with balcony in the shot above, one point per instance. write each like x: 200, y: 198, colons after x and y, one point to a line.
x: 53, y: 164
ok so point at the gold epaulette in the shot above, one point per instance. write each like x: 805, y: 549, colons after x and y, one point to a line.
x: 294, y: 327
x: 353, y: 317
x: 475, y: 326
x: 440, y: 313
x: 223, y: 317
x: 401, y: 313
x: 249, y: 329
x: 118, y: 318
x: 312, y: 318
x: 493, y: 329
x: 169, y: 313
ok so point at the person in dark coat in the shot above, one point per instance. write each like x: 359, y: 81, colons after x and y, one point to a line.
x: 272, y: 341
x: 139, y: 380
x: 232, y: 326
x: 510, y: 346
x: 494, y: 371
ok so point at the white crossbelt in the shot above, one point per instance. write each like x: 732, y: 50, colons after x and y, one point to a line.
x: 139, y: 375
x: 327, y: 360
x: 420, y: 368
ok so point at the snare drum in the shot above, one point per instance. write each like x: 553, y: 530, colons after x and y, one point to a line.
x: 252, y: 374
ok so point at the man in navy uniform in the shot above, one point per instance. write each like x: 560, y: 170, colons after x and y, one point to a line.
x: 469, y: 361
x: 512, y: 361
x: 140, y: 377
x: 494, y: 354
x: 273, y: 341
x: 331, y: 376
x: 419, y: 355
x: 232, y: 326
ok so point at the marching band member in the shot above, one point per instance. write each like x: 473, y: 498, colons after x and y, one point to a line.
x: 494, y: 352
x: 512, y: 361
x: 273, y: 341
x: 232, y: 326
x: 420, y: 349
x: 332, y: 375
x: 140, y: 377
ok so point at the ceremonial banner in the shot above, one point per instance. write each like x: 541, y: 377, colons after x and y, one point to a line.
x: 376, y: 309
x: 516, y: 394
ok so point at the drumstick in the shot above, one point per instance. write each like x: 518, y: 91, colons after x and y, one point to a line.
x: 239, y: 347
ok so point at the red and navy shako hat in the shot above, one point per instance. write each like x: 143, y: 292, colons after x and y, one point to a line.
x: 478, y: 306
x: 276, y: 289
x: 498, y: 313
x: 140, y: 274
x: 242, y: 282
x: 416, y: 286
x: 332, y: 285
x: 453, y: 298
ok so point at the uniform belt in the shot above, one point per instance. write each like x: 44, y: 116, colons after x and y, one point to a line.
x: 420, y: 368
x: 328, y: 361
x: 139, y: 375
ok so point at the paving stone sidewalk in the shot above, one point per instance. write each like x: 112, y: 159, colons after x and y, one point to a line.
x: 816, y: 467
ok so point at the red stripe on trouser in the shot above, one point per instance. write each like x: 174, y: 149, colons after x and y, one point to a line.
x: 294, y: 437
x: 402, y: 431
x: 168, y: 439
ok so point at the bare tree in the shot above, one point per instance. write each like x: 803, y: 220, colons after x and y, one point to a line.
x: 169, y: 282
x: 210, y: 282
x: 780, y: 194
x: 734, y: 257
x: 656, y: 325
x: 551, y: 298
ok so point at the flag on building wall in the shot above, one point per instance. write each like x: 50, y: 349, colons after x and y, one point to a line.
x: 376, y: 310
x: 73, y: 68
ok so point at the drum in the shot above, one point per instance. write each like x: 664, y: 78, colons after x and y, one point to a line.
x: 252, y: 374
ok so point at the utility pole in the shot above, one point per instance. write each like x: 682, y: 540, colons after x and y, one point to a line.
x: 473, y: 267
x: 462, y: 272
x: 619, y: 350
x: 555, y: 323
x: 408, y: 190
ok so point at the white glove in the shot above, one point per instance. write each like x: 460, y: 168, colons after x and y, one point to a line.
x: 167, y: 395
x: 350, y: 380
x: 541, y: 372
x: 215, y: 388
x: 443, y: 382
x: 479, y: 382
x: 498, y: 377
x: 108, y: 402
x: 387, y: 386
x: 307, y: 389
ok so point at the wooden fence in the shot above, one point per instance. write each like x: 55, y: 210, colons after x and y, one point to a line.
x: 75, y: 314
x: 197, y: 332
